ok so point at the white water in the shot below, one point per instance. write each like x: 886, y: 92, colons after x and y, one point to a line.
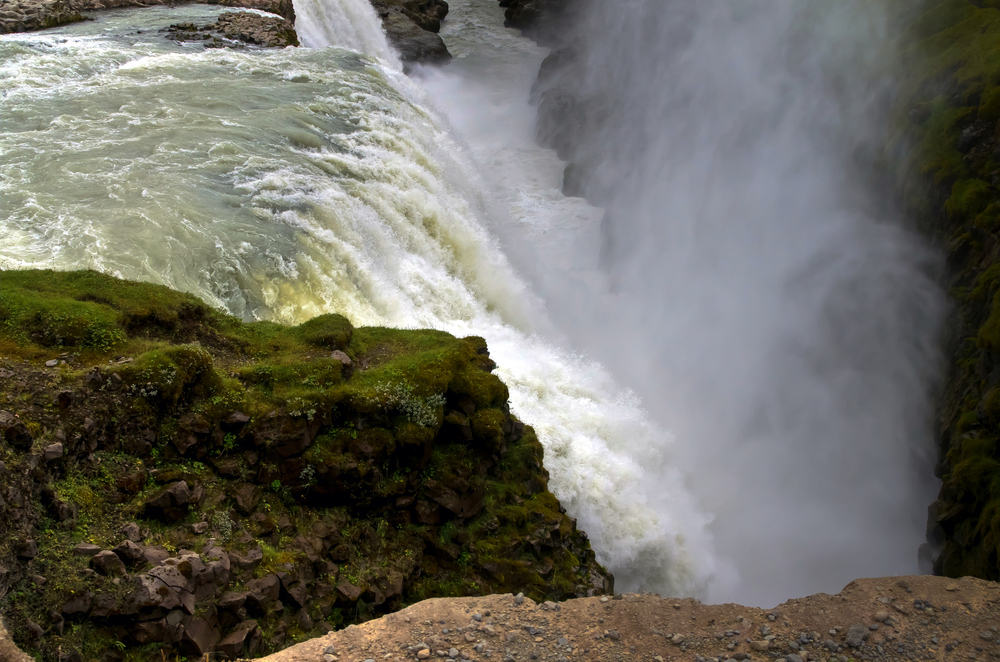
x: 344, y: 24
x: 283, y: 184
x: 769, y: 304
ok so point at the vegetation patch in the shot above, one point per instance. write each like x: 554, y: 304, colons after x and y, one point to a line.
x: 187, y: 482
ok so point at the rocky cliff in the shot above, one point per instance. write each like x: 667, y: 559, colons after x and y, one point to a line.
x: 174, y: 479
x: 946, y: 124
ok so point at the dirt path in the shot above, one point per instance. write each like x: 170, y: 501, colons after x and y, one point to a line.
x: 885, y: 619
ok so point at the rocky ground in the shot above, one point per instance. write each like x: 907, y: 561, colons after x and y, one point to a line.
x: 889, y: 619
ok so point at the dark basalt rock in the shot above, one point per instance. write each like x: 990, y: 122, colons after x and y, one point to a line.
x: 414, y: 43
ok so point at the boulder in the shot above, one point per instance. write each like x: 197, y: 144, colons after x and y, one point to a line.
x: 107, y: 563
x: 148, y: 632
x: 241, y: 642
x: 348, y: 592
x: 171, y: 503
x: 246, y: 497
x: 413, y: 43
x: 52, y: 452
x: 199, y: 638
x: 86, y: 549
x: 14, y: 431
x: 130, y: 553
x: 78, y: 605
x: 262, y: 592
x: 247, y: 562
x: 26, y: 549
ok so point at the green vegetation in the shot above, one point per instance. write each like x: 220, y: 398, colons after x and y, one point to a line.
x: 948, y: 111
x: 368, y: 483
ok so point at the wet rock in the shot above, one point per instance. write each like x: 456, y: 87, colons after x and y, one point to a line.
x: 413, y: 43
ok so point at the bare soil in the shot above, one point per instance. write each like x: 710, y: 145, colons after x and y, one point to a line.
x: 899, y: 618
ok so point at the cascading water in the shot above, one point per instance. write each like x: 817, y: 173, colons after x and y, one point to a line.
x: 761, y: 292
x: 283, y: 184
x: 344, y: 24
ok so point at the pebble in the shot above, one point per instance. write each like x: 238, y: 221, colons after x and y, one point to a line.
x: 760, y: 646
x: 987, y: 635
x: 519, y: 599
x: 452, y: 652
x: 677, y: 639
x: 51, y: 364
x: 423, y: 653
x: 603, y: 598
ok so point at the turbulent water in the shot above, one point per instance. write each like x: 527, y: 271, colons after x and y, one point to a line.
x: 764, y: 295
x: 767, y: 311
x: 283, y: 184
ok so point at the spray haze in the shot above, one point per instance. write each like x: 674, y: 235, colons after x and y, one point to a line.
x: 763, y: 297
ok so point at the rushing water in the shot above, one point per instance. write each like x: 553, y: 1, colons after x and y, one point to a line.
x: 781, y: 324
x: 283, y: 184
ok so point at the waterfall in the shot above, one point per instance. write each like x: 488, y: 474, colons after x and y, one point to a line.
x: 350, y: 24
x: 763, y: 296
x: 284, y: 184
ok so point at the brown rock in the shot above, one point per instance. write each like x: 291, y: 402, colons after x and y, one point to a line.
x: 52, y: 452
x: 14, y: 431
x: 241, y: 642
x: 130, y: 553
x: 246, y: 497
x: 199, y: 638
x: 107, y: 563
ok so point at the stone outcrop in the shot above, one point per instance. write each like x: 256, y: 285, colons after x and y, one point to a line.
x: 227, y: 484
x: 411, y: 27
x: 28, y: 15
x: 237, y: 28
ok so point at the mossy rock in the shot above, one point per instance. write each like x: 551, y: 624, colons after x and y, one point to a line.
x: 346, y: 487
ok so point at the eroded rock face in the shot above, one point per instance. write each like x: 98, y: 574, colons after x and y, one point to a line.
x: 233, y: 29
x: 403, y: 27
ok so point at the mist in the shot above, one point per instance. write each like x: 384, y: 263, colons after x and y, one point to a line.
x: 760, y: 291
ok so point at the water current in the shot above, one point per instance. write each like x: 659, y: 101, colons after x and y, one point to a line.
x: 783, y: 327
x: 284, y: 184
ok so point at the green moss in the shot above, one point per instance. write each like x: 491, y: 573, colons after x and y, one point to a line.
x: 968, y: 198
x: 326, y: 331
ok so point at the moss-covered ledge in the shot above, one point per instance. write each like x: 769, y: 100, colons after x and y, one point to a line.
x: 173, y: 476
x: 948, y: 115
